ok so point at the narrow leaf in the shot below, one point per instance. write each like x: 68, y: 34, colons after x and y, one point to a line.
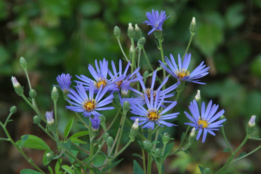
x: 168, y: 150
x: 136, y: 168
x: 76, y: 140
x: 135, y: 154
x: 241, y: 154
x: 226, y: 150
x: 58, y: 166
x: 68, y: 169
x: 50, y: 169
x: 80, y: 134
x: 201, y: 169
x: 29, y: 171
x: 112, y: 165
x: 68, y: 127
x: 33, y: 142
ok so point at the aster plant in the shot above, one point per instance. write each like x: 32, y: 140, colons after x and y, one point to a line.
x: 149, y: 105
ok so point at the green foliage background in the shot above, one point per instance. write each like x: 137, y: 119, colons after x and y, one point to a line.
x: 67, y: 35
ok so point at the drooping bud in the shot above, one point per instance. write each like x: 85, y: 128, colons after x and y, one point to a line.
x: 251, y: 125
x: 165, y: 138
x: 192, y: 26
x: 138, y: 32
x: 109, y: 141
x: 147, y: 145
x: 131, y: 32
x: 198, y: 97
x: 36, y: 119
x: 126, y: 107
x: 49, y: 117
x: 117, y: 31
x: 134, y: 129
x: 18, y: 88
x: 55, y: 94
x: 32, y: 93
x: 13, y: 109
x: 23, y: 63
x: 141, y: 42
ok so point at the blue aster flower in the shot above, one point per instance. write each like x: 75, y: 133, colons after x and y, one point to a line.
x: 95, y: 123
x: 180, y: 70
x: 100, y: 76
x: 140, y: 95
x: 126, y: 80
x: 49, y: 117
x: 88, y: 105
x: 64, y: 81
x: 153, y: 114
x: 155, y: 20
x: 205, y: 121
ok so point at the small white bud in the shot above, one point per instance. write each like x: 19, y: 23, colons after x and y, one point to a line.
x: 15, y: 82
x: 136, y: 124
x: 251, y: 122
x: 131, y: 49
x: 130, y: 27
x: 193, y: 22
x: 193, y: 132
x: 198, y: 97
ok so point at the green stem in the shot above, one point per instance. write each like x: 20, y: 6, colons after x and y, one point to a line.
x: 121, y: 129
x: 162, y: 59
x: 56, y: 118
x: 184, y: 137
x: 133, y: 55
x: 253, y: 151
x: 149, y: 154
x: 253, y: 138
x: 178, y: 94
x: 96, y: 153
x: 225, y: 137
x: 156, y: 138
x: 143, y: 160
x: 91, y: 144
x: 190, y: 40
x: 233, y: 155
x: 118, y: 39
x: 6, y: 121
x: 20, y: 150
x: 36, y: 110
x: 148, y: 62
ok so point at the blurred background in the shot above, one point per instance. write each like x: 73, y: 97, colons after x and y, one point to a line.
x: 64, y: 36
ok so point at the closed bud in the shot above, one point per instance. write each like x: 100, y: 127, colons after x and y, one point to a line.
x: 49, y: 117
x: 141, y: 42
x: 251, y: 125
x: 18, y: 88
x: 55, y: 94
x: 49, y: 156
x: 192, y: 135
x: 13, y: 109
x: 157, y: 152
x: 165, y: 138
x: 105, y: 136
x: 138, y: 32
x: 36, y: 119
x: 146, y: 73
x: 192, y: 26
x: 117, y: 31
x: 134, y: 129
x: 206, y: 171
x: 23, y: 63
x: 198, y: 97
x: 147, y: 145
x: 126, y: 107
x: 131, y: 32
x: 109, y: 141
x: 32, y: 93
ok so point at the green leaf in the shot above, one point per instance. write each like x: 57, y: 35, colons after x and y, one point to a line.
x: 45, y: 160
x: 58, y: 166
x: 68, y: 127
x: 96, y: 171
x: 136, y: 168
x: 50, y: 169
x: 99, y: 160
x: 32, y: 142
x: 226, y: 150
x: 112, y: 165
x: 155, y: 142
x: 255, y: 66
x: 68, y: 169
x: 241, y: 154
x: 135, y: 154
x: 29, y: 171
x: 201, y: 169
x: 234, y: 15
x: 168, y: 150
x: 90, y: 8
x: 76, y: 140
x: 80, y: 134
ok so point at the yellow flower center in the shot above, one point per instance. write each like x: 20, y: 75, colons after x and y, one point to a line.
x: 101, y: 82
x: 202, y: 123
x: 153, y: 115
x: 119, y: 83
x: 181, y: 74
x: 148, y: 93
x: 89, y: 105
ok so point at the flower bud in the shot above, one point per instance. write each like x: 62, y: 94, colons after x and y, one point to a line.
x: 141, y: 42
x: 126, y: 107
x: 117, y: 31
x: 49, y: 117
x: 138, y: 32
x: 192, y: 135
x: 206, y: 171
x: 131, y: 32
x: 157, y: 152
x: 198, y: 97
x: 192, y: 26
x: 23, y: 63
x: 109, y: 141
x: 32, y: 93
x: 134, y: 130
x: 125, y: 86
x: 105, y: 136
x: 18, y: 88
x: 251, y: 125
x: 165, y: 138
x: 36, y: 119
x: 147, y: 145
x: 55, y: 94
x: 13, y: 109
x: 49, y: 156
x: 95, y: 123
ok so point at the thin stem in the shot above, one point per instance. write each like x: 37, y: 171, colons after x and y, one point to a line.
x: 253, y: 151
x: 143, y: 160
x: 4, y: 139
x: 233, y: 154
x: 156, y: 138
x: 225, y: 137
x: 184, y: 137
x: 253, y: 138
x: 56, y: 117
x: 20, y: 150
x: 36, y: 110
x: 96, y: 153
x: 178, y: 94
x: 118, y: 39
x: 190, y: 40
x: 149, y: 154
x: 6, y: 121
x: 162, y: 58
x: 91, y: 144
x: 148, y: 62
x: 121, y: 129
x: 133, y: 55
